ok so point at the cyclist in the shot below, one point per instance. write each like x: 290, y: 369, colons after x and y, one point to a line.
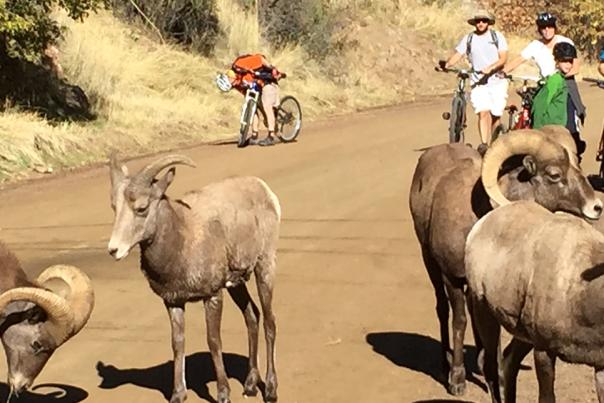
x: 486, y: 50
x: 540, y: 50
x: 553, y: 105
x: 244, y: 71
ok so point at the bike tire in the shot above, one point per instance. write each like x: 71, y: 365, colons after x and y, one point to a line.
x: 457, y: 120
x: 499, y: 130
x: 288, y: 119
x: 246, y: 123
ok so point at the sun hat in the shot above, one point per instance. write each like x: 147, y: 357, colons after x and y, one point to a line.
x: 480, y: 14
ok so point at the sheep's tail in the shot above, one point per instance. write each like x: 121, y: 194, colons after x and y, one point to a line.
x: 273, y: 197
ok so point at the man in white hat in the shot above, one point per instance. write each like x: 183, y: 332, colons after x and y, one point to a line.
x: 487, y: 52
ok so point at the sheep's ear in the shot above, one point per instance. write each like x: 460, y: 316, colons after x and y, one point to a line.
x: 161, y: 185
x: 530, y: 165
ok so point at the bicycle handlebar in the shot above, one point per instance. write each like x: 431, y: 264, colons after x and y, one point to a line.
x: 521, y: 78
x: 596, y: 81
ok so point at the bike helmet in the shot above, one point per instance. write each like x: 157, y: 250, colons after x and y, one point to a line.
x: 223, y: 82
x: 546, y: 20
x: 564, y: 51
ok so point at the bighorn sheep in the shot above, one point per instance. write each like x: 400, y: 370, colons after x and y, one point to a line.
x: 450, y: 191
x: 540, y: 275
x: 37, y: 317
x: 193, y: 248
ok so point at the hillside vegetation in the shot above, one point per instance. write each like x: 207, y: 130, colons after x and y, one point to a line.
x: 152, y: 94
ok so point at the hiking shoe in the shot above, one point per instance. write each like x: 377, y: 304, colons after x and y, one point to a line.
x: 269, y: 141
x: 253, y: 141
x: 482, y: 148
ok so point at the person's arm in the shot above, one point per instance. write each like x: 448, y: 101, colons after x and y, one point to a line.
x: 453, y: 59
x: 556, y: 112
x: 575, y: 69
x: 503, y: 57
x: 514, y: 63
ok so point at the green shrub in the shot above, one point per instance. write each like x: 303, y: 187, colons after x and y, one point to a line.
x: 583, y: 22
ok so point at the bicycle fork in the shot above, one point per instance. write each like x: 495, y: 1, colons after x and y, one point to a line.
x: 249, y: 95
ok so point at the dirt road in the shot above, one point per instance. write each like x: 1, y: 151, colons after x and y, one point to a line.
x: 355, y: 309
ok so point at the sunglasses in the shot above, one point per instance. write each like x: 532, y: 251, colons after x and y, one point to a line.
x: 483, y: 20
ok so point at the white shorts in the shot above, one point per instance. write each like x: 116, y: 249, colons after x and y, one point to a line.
x: 491, y: 97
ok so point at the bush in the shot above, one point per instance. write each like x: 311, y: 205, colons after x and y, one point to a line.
x: 309, y: 23
x: 582, y: 21
x: 191, y: 23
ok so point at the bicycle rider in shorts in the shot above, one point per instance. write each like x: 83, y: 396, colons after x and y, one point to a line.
x: 244, y: 70
x: 486, y: 51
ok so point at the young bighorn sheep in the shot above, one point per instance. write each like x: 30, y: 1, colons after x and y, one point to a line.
x: 193, y: 248
x: 453, y: 187
x: 540, y: 276
x: 36, y: 317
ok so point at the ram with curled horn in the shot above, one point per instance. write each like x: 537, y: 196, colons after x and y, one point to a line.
x: 453, y: 186
x: 36, y: 317
x: 193, y: 248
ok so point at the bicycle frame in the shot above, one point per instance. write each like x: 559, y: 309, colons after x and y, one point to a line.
x: 251, y: 94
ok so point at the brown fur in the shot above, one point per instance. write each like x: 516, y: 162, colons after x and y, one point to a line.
x: 447, y: 198
x: 191, y: 249
x: 551, y: 298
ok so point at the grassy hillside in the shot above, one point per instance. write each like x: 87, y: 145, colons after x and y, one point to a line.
x: 151, y: 97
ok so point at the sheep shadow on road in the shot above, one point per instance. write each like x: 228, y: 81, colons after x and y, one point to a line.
x: 420, y: 353
x: 55, y: 393
x: 199, y: 371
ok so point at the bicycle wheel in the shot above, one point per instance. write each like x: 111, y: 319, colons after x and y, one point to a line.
x: 499, y: 130
x: 457, y: 121
x: 246, y: 122
x: 288, y: 119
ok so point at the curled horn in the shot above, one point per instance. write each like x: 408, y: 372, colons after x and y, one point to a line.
x: 562, y: 136
x: 60, y: 322
x: 68, y: 302
x: 75, y: 287
x: 531, y: 142
x: 148, y: 173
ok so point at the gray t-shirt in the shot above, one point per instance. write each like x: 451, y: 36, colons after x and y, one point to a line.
x: 483, y: 52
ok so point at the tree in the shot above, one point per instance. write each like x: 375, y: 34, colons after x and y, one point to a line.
x: 26, y: 27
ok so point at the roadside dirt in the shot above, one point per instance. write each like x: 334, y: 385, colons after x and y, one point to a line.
x: 355, y: 309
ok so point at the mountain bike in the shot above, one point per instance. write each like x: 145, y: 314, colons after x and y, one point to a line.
x: 288, y: 115
x: 457, y: 117
x: 520, y: 117
x: 597, y: 181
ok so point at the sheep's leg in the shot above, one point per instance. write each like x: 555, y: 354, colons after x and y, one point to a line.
x: 513, y: 355
x: 442, y: 307
x: 477, y: 340
x: 251, y: 314
x: 213, y: 308
x: 599, y: 378
x: 457, y: 375
x: 177, y: 322
x: 489, y: 331
x: 545, y: 366
x: 264, y: 279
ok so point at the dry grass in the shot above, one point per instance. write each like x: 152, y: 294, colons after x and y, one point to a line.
x: 151, y: 97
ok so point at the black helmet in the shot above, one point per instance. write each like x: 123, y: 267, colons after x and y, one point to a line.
x: 546, y: 20
x: 564, y: 51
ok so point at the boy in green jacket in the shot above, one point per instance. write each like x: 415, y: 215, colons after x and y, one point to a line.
x: 550, y: 105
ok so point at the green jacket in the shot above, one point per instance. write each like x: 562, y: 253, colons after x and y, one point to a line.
x: 549, y: 104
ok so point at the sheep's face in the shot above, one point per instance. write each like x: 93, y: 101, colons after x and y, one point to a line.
x: 136, y: 209
x: 28, y: 346
x: 559, y: 186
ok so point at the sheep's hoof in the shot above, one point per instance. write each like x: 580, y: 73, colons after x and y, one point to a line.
x: 223, y: 397
x: 251, y: 382
x: 178, y: 397
x: 457, y: 381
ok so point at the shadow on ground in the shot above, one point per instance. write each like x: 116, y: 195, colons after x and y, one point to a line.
x: 47, y: 393
x: 442, y: 401
x: 199, y: 372
x: 422, y: 354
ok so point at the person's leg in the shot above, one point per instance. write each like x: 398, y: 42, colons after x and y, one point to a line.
x: 498, y: 96
x: 270, y: 99
x: 479, y: 98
